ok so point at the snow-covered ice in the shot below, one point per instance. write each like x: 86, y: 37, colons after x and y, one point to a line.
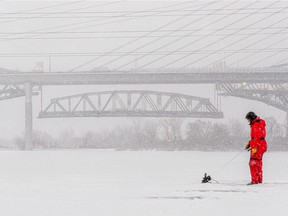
x: 108, y: 183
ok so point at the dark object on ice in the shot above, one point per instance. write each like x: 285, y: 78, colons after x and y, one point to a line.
x: 206, y: 178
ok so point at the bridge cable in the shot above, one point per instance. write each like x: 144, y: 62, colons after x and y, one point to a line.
x: 77, y: 54
x: 279, y: 62
x: 151, y: 42
x: 265, y: 38
x: 182, y: 27
x: 136, y: 36
x: 61, y: 25
x: 141, y: 31
x: 155, y: 60
x: 190, y: 63
x: 265, y: 58
x: 49, y: 14
x: 237, y: 42
x: 174, y: 41
x: 125, y: 44
x: 42, y: 8
x: 126, y: 11
x: 25, y: 18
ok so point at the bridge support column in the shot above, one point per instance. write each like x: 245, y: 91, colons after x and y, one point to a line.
x: 28, y: 116
x: 286, y: 125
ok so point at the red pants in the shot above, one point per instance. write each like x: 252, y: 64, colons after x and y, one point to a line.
x: 255, y: 162
x: 256, y: 170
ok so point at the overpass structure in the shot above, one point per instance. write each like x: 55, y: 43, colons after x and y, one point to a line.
x: 173, y: 77
x: 268, y: 85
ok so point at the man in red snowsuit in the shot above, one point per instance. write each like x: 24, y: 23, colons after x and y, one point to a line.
x: 257, y: 146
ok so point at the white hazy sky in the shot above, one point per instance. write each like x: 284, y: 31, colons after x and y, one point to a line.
x: 31, y: 31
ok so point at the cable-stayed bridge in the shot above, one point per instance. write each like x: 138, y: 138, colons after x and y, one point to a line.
x: 205, y: 42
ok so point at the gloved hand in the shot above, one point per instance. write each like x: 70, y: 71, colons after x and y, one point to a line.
x: 247, y: 147
x: 253, y: 150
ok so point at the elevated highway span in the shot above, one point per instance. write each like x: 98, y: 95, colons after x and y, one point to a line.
x: 142, y: 78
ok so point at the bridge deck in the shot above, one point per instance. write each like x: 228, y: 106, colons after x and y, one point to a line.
x: 141, y: 78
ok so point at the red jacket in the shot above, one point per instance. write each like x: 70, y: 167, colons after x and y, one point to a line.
x: 258, y: 134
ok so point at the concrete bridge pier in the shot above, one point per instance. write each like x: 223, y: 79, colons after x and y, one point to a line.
x: 28, y: 116
x: 287, y: 125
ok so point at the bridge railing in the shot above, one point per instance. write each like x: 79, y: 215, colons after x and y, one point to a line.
x: 214, y: 70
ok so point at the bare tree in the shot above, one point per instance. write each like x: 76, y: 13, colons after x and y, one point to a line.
x: 67, y: 139
x: 172, y: 129
x: 150, y: 131
x: 42, y: 140
x: 273, y: 128
x: 236, y: 129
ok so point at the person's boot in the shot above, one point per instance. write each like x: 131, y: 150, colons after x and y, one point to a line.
x: 252, y: 183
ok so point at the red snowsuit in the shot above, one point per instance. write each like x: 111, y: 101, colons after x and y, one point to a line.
x: 258, y: 147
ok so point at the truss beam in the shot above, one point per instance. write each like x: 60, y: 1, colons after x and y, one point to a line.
x: 130, y: 104
x: 270, y: 93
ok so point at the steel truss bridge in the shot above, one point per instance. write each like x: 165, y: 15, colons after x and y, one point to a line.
x: 268, y: 85
x: 13, y: 91
x: 273, y: 94
x: 131, y: 103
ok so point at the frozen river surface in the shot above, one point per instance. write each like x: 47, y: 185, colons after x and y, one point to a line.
x: 155, y: 183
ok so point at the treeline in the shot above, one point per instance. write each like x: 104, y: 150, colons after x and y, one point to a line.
x: 163, y: 134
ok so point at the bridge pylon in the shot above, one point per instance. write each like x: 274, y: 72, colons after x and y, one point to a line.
x: 287, y: 125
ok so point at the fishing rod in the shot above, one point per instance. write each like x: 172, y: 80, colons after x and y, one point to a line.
x: 208, y: 178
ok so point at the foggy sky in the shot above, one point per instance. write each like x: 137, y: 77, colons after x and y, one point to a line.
x: 23, y: 24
